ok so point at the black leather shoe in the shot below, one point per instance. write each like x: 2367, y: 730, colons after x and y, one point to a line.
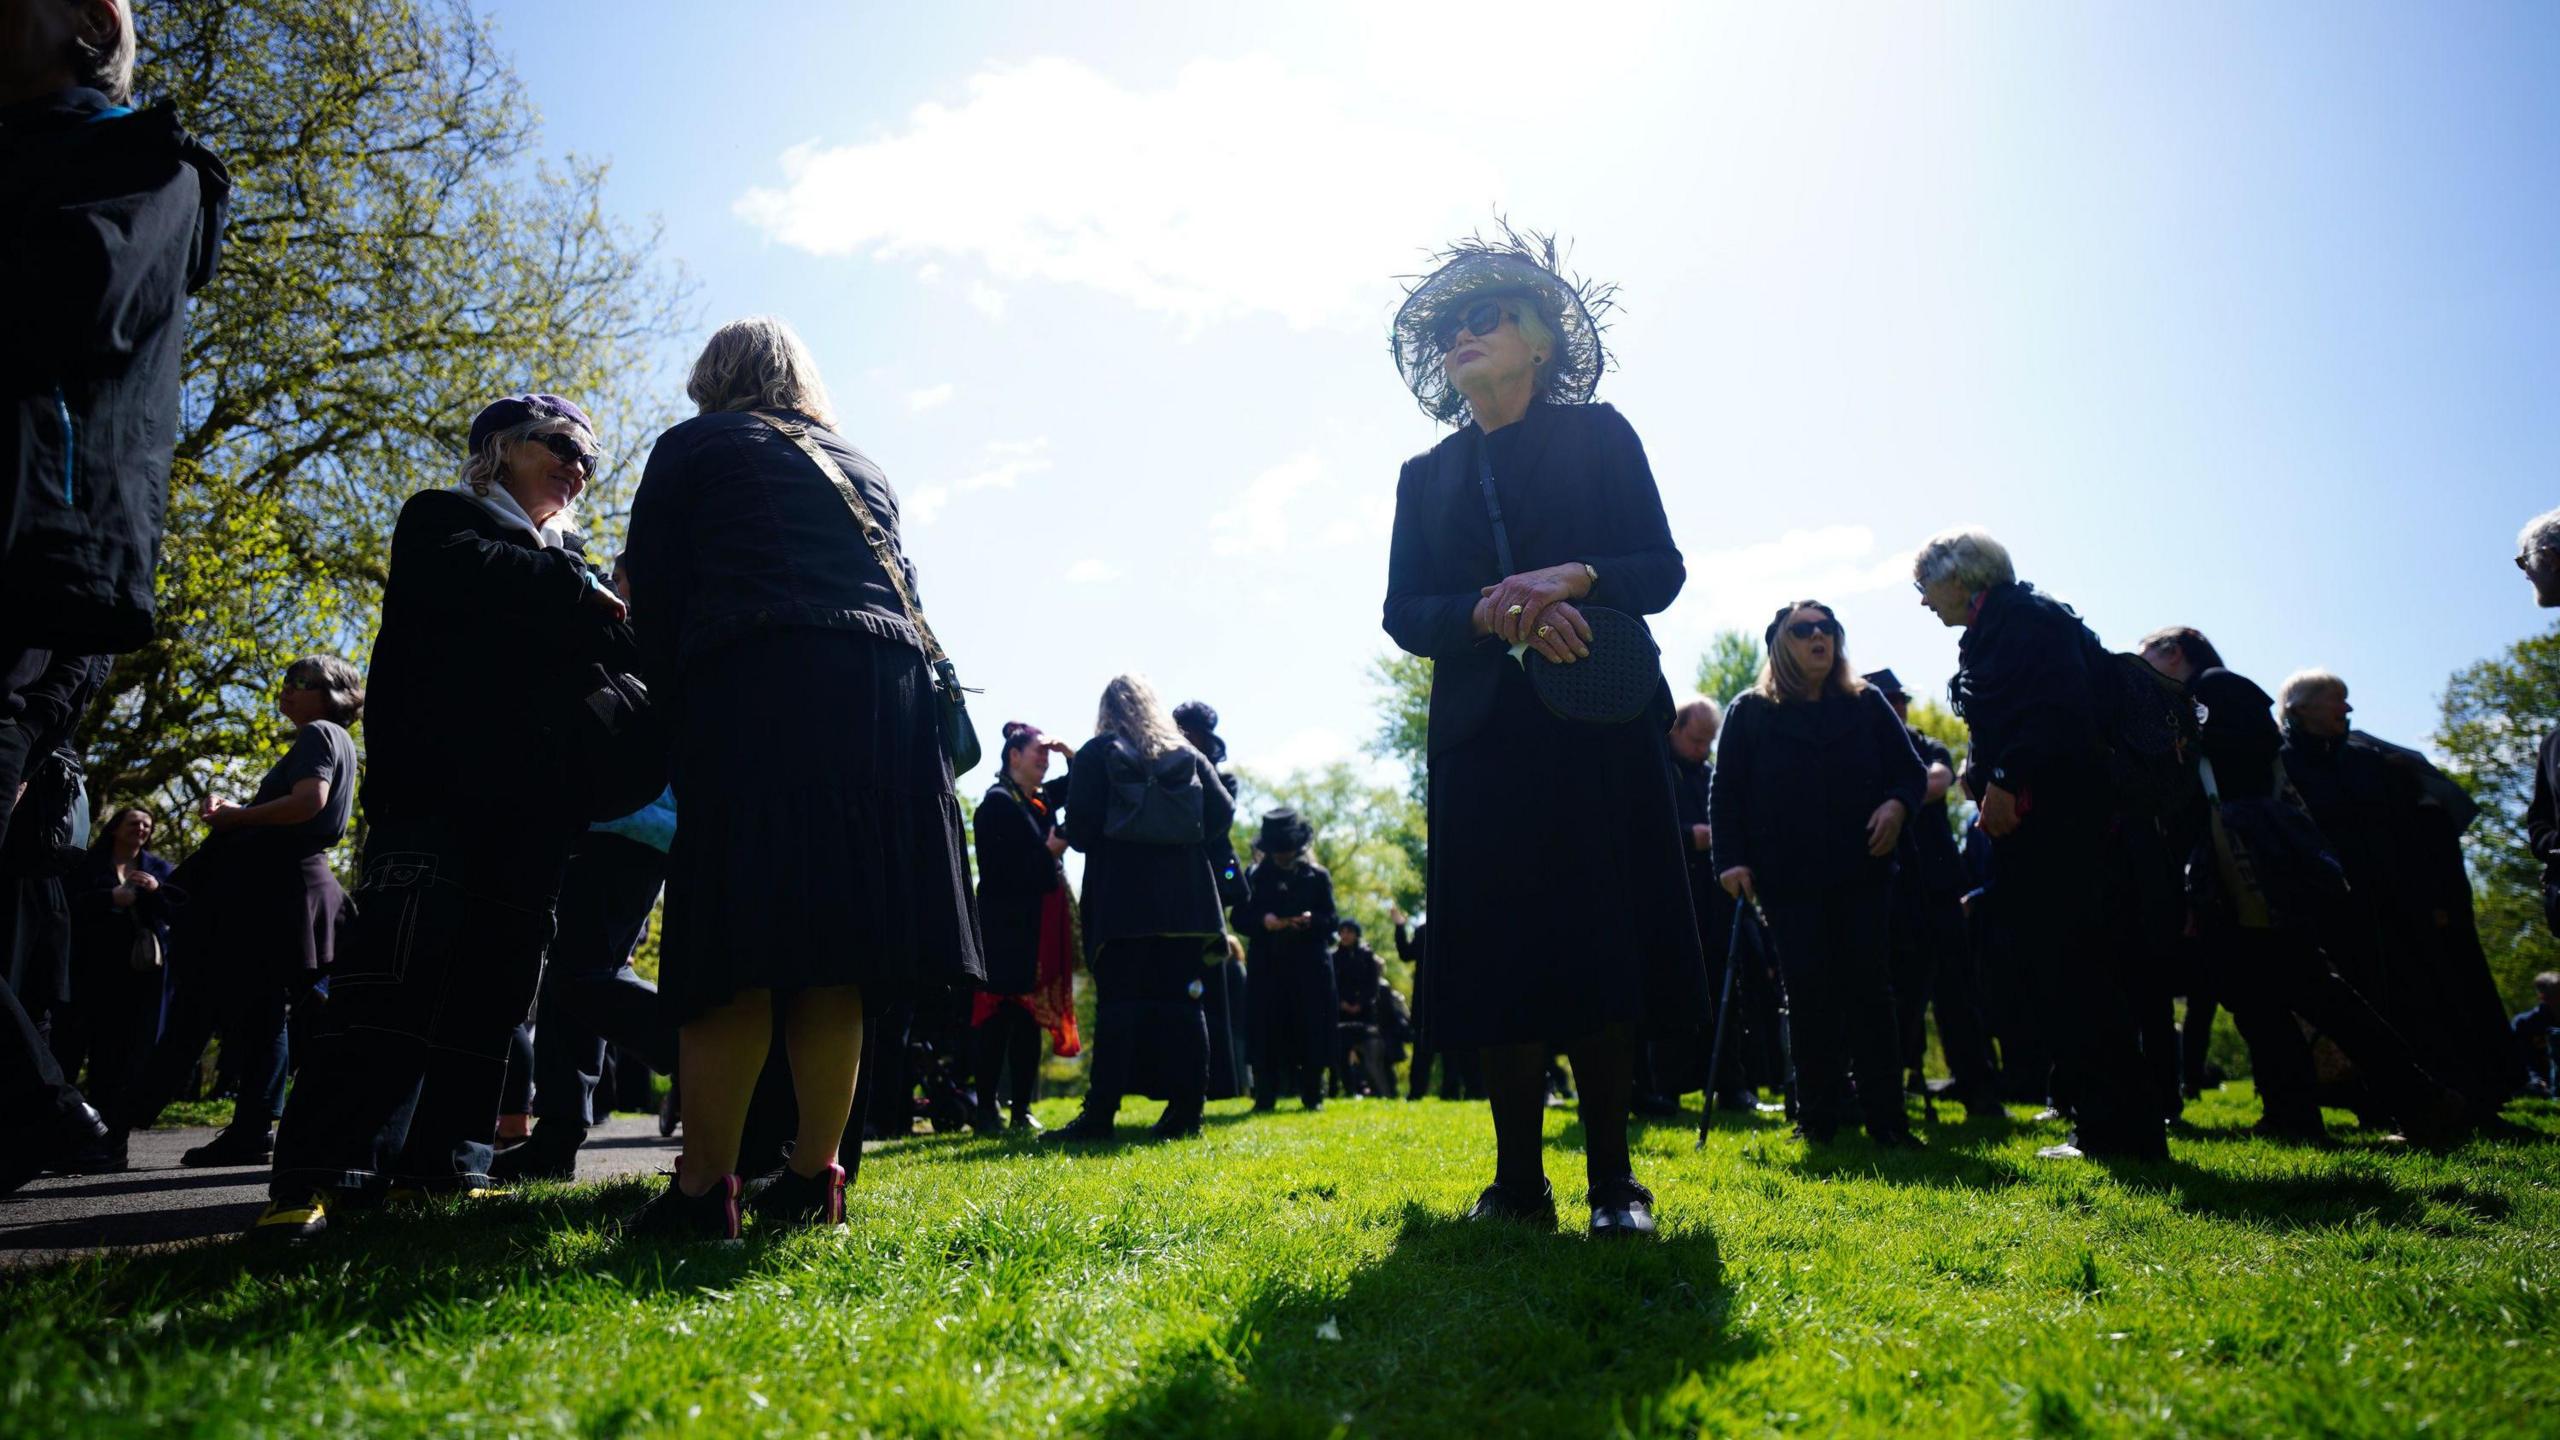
x: 1171, y: 1128
x: 1621, y: 1209
x: 547, y: 1156
x: 53, y: 1146
x: 233, y: 1147
x: 1900, y: 1138
x: 1501, y: 1202
x: 1086, y: 1129
x: 1024, y: 1120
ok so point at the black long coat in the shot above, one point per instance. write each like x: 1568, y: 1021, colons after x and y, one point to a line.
x: 1795, y: 783
x: 1605, y: 936
x: 1290, y: 971
x: 1016, y: 872
x: 1132, y: 890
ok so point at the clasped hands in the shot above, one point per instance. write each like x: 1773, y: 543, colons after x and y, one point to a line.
x: 1277, y: 923
x: 1535, y: 608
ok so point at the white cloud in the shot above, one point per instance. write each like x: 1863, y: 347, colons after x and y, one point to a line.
x: 1092, y: 572
x: 919, y: 401
x: 1008, y: 462
x: 1740, y: 587
x: 1258, y: 521
x: 988, y: 300
x: 928, y: 273
x: 1185, y: 200
x: 920, y: 505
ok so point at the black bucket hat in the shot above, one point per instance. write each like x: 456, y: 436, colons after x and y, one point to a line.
x: 1889, y: 683
x: 1522, y: 263
x: 1283, y: 830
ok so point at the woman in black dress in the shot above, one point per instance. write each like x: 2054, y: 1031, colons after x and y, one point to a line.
x: 820, y: 872
x: 1027, y: 914
x: 121, y: 900
x: 1814, y: 780
x: 1559, y: 899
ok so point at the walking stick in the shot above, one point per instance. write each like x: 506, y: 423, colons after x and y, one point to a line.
x: 1724, y: 1008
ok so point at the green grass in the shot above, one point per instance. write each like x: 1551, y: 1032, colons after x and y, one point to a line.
x: 1299, y: 1275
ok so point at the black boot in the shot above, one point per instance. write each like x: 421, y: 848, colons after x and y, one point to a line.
x: 238, y: 1144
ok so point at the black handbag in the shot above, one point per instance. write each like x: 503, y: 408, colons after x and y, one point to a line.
x: 1616, y: 681
x: 951, y: 709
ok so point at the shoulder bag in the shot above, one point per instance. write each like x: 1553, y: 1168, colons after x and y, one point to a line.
x: 1616, y: 681
x: 951, y: 710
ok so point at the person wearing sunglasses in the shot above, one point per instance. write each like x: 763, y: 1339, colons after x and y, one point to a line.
x: 492, y: 617
x: 1814, y: 781
x: 259, y: 929
x: 1545, y: 832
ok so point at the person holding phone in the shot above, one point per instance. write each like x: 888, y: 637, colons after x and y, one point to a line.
x: 1287, y: 920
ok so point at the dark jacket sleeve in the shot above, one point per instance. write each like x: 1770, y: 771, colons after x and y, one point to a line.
x: 2542, y: 817
x: 2049, y: 683
x: 1421, y: 619
x: 1645, y: 574
x: 1728, y: 807
x: 1217, y: 815
x: 655, y: 559
x: 445, y: 564
x: 1011, y: 859
x: 1088, y: 796
x: 1906, y: 777
x: 1326, y: 922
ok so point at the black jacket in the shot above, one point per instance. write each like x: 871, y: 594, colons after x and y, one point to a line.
x: 1133, y: 890
x: 1794, y: 785
x: 1929, y: 856
x: 1304, y: 889
x: 108, y: 219
x: 1016, y: 872
x: 1576, y: 487
x: 2542, y: 816
x: 2025, y: 693
x: 733, y: 529
x: 483, y: 635
x: 1356, y: 973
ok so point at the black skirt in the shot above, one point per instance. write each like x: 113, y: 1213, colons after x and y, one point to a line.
x: 817, y: 838
x: 1559, y: 893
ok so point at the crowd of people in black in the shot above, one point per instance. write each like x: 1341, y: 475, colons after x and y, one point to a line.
x: 748, y: 727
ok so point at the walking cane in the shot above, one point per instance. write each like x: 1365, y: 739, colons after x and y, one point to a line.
x: 1724, y: 1008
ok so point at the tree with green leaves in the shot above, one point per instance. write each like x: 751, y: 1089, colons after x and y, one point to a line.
x: 397, y: 256
x: 1730, y: 666
x: 2495, y: 714
x: 1368, y: 835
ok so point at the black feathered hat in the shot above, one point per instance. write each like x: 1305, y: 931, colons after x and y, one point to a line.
x: 1524, y: 263
x: 1283, y: 829
x: 1202, y: 717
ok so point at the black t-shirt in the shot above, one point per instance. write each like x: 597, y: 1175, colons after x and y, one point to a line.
x: 322, y: 750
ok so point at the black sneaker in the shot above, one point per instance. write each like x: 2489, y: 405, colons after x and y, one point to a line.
x: 794, y: 1201
x: 1501, y: 1202
x: 290, y: 1222
x: 1621, y: 1209
x: 550, y: 1155
x: 233, y: 1147
x: 674, y: 1215
x: 1086, y: 1129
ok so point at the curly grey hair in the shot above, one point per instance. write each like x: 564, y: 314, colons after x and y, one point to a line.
x: 1965, y: 554
x: 758, y: 363
x: 1132, y: 711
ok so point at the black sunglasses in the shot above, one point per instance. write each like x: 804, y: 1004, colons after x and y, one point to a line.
x: 1480, y: 319
x: 294, y: 682
x: 1807, y: 629
x: 568, y: 449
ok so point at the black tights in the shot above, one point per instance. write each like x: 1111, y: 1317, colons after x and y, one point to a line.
x: 1010, y: 1037
x: 1516, y: 1077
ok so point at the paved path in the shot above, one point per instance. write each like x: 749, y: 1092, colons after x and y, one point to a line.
x: 159, y: 1201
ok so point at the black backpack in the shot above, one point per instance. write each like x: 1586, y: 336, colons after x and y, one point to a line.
x: 1153, y: 802
x: 2147, y: 731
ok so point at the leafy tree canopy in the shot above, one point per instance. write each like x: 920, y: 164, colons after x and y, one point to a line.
x: 2495, y: 714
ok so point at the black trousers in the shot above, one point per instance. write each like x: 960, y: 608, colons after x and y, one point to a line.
x: 590, y: 993
x: 1461, y: 1071
x: 1009, y: 1041
x: 1833, y: 945
x: 1933, y: 973
x: 436, y: 971
x: 2052, y: 893
x: 110, y: 1025
x: 1150, y: 1036
x: 2267, y: 978
x: 35, y: 1099
x: 1293, y: 1022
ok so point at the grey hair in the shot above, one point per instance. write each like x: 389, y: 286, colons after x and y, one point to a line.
x: 1132, y: 711
x: 108, y: 66
x: 342, y: 683
x: 1541, y: 339
x: 1965, y: 554
x: 486, y: 467
x: 2542, y: 532
x: 2301, y: 685
x: 758, y: 363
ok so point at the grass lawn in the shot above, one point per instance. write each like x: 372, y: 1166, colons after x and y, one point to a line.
x: 1297, y: 1275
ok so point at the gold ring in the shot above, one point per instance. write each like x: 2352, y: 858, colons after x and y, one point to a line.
x: 1545, y: 630
x: 1516, y: 609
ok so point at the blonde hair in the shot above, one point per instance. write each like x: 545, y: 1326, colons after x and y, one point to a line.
x: 758, y: 363
x: 485, y: 469
x: 1131, y: 711
x: 1782, y: 680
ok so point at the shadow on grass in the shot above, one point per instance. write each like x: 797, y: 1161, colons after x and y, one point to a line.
x: 1460, y: 1330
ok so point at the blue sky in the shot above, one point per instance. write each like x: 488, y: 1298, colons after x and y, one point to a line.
x: 2234, y: 317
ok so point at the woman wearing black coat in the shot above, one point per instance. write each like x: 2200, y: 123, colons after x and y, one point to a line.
x: 1545, y: 832
x: 1287, y: 921
x: 121, y: 901
x: 820, y: 875
x: 1140, y: 804
x: 1019, y: 883
x: 1814, y: 781
x: 492, y: 618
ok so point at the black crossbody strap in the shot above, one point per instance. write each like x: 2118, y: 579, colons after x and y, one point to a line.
x: 1493, y: 509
